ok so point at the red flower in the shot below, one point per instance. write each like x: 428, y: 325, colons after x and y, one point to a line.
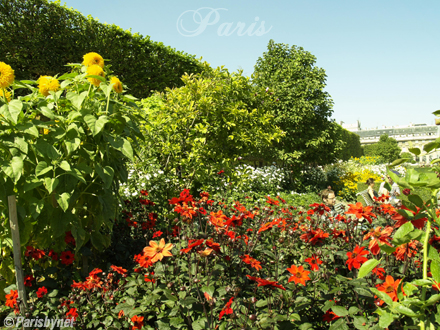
x: 404, y: 251
x: 185, y: 196
x: 119, y: 270
x: 272, y: 201
x: 378, y: 236
x: 157, y: 234
x: 11, y: 299
x: 138, y: 322
x: 406, y: 191
x: 41, y: 292
x: 144, y: 193
x: 28, y: 280
x: 379, y: 272
x: 72, y: 313
x: 251, y: 261
x: 419, y: 223
x: 192, y: 244
x: 53, y: 255
x: 36, y: 254
x: 95, y: 272
x: 149, y: 277
x: 355, y: 258
x: 314, y: 262
x: 67, y: 258
x: 361, y: 212
x: 215, y: 246
x: 227, y: 309
x: 69, y: 239
x: 218, y: 220
x: 329, y: 316
x: 299, y: 275
x: 220, y: 172
x: 319, y: 208
x: 262, y: 282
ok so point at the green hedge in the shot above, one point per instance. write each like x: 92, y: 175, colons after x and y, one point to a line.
x: 38, y: 37
x: 352, y: 146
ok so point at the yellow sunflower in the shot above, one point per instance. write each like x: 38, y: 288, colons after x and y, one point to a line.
x: 47, y: 84
x: 6, y: 75
x: 7, y: 94
x: 93, y: 59
x: 95, y: 70
x: 117, y: 87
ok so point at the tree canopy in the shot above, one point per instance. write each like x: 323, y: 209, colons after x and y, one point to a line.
x: 386, y: 148
x: 301, y: 107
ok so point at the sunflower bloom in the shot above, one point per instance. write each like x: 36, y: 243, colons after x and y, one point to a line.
x: 5, y: 94
x: 6, y: 75
x: 117, y: 85
x: 157, y: 251
x: 95, y: 70
x: 299, y: 275
x: 47, y: 84
x: 93, y: 59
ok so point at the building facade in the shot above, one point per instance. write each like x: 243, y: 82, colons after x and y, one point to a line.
x: 411, y: 136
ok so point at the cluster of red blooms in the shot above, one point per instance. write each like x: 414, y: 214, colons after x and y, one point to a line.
x: 95, y: 282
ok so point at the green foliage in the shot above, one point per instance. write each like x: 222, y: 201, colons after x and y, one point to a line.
x: 301, y: 108
x: 386, y: 148
x: 38, y: 37
x: 63, y: 157
x: 408, y: 155
x: 352, y: 144
x: 203, y: 127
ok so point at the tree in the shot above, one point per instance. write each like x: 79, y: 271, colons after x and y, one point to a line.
x: 302, y: 108
x: 408, y: 155
x: 351, y: 144
x: 386, y: 148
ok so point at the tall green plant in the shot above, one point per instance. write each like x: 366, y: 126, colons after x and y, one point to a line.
x: 63, y: 156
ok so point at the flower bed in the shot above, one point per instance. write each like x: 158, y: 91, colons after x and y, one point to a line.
x: 211, y: 265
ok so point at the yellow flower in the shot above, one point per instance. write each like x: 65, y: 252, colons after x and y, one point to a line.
x: 95, y: 70
x: 46, y: 131
x: 6, y: 75
x: 7, y: 95
x: 117, y: 87
x: 93, y: 59
x: 47, y: 84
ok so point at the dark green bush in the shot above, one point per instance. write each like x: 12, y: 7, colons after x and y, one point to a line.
x: 38, y: 37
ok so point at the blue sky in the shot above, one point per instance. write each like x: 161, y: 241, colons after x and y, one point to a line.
x: 381, y: 57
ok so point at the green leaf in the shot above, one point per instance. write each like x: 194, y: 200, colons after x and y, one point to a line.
x: 261, y: 303
x: 45, y: 111
x: 367, y: 267
x: 422, y: 282
x: 385, y: 319
x: 122, y: 145
x: 14, y: 169
x: 98, y: 240
x: 14, y: 108
x: 100, y: 123
x: 50, y: 184
x: 340, y: 324
x: 76, y: 99
x: 106, y: 89
x: 34, y: 183
x: 65, y: 166
x: 433, y: 253
x: 42, y: 168
x: 63, y: 201
x: 399, y: 161
x: 209, y: 290
x: 340, y: 311
x: 415, y: 151
x: 430, y: 146
x: 436, y: 113
x: 405, y: 311
x: 432, y: 300
x: 383, y: 296
x: 435, y: 270
x: 47, y: 150
x: 387, y: 249
x: 188, y: 301
x: 401, y: 235
x: 106, y: 174
x: 417, y: 201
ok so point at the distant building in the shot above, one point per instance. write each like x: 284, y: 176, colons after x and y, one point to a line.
x: 411, y: 136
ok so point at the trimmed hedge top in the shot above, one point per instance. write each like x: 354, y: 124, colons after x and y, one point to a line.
x: 38, y: 37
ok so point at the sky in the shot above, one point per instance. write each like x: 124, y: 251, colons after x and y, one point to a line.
x: 381, y: 57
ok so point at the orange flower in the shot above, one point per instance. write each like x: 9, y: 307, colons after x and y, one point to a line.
x: 218, y: 220
x: 121, y: 314
x: 389, y: 287
x: 11, y: 299
x: 207, y: 296
x: 262, y: 282
x: 299, y: 275
x: 355, y: 258
x: 404, y: 251
x: 157, y: 251
x: 361, y: 212
x: 206, y: 252
x: 251, y: 261
x: 138, y: 322
x: 118, y: 270
x: 378, y: 236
